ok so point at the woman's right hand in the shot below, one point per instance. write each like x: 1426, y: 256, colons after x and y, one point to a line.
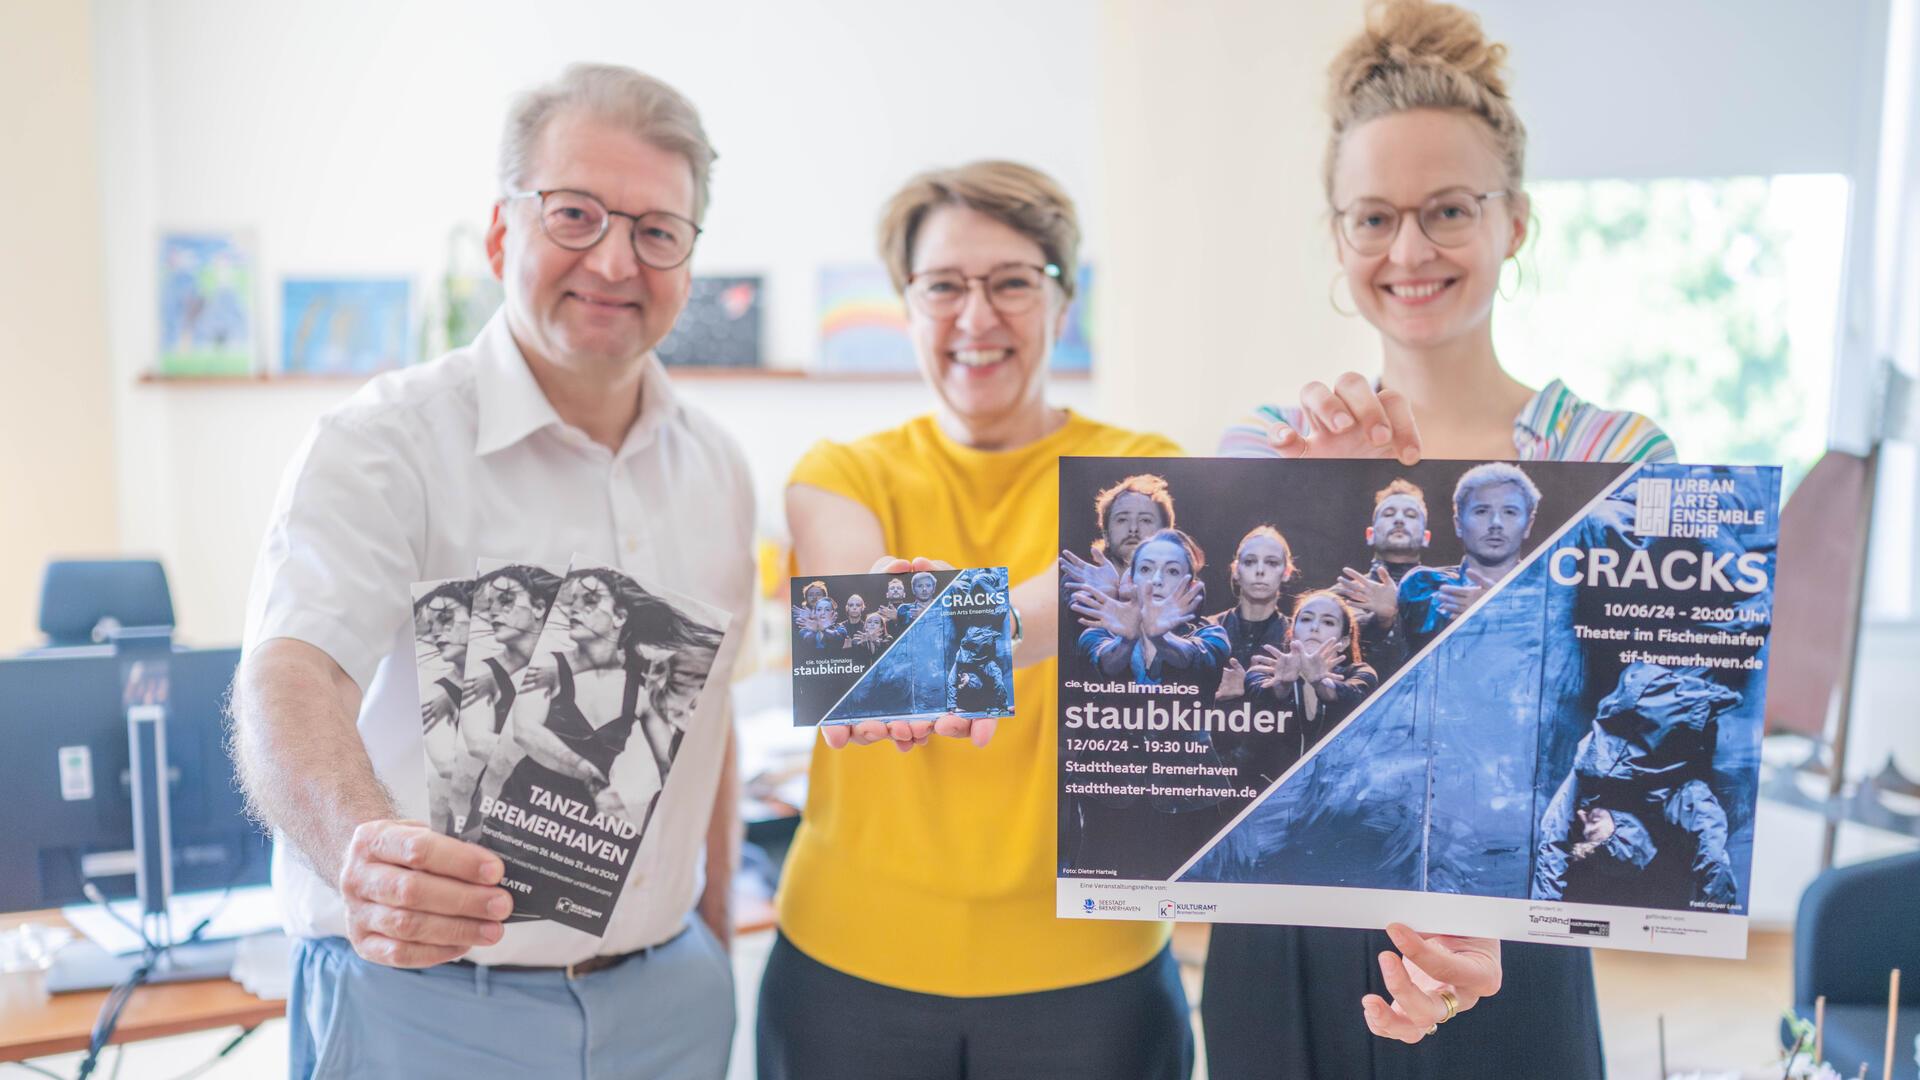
x: 907, y: 734
x: 1428, y: 970
x: 1351, y: 420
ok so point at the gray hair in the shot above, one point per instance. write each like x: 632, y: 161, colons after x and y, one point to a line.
x: 654, y: 111
x: 1495, y: 472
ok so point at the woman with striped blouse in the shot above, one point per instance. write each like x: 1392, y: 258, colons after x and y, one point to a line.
x: 1423, y: 179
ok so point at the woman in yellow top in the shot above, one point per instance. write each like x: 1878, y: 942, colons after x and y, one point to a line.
x: 917, y: 929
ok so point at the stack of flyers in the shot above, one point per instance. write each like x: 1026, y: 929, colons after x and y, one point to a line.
x: 902, y: 646
x: 553, y: 706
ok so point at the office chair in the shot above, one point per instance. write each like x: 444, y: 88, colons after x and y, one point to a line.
x: 82, y: 601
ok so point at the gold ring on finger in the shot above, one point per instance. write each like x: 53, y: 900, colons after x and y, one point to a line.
x: 1453, y: 1006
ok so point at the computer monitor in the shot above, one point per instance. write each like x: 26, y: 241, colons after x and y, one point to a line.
x: 67, y: 787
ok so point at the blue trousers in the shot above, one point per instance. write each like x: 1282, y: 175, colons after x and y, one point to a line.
x: 667, y: 1012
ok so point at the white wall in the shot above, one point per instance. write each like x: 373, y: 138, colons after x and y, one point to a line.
x: 1652, y: 88
x: 56, y: 429
x: 350, y: 137
x: 1214, y: 297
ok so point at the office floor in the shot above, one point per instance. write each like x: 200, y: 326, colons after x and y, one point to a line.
x: 1718, y: 1013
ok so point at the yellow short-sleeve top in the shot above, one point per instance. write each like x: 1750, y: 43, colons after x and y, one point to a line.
x: 933, y: 871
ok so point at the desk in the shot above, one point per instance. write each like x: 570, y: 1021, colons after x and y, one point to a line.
x: 65, y: 1023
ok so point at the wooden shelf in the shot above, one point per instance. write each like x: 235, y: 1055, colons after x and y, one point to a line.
x: 690, y: 374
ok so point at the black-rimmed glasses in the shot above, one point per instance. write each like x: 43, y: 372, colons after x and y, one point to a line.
x: 1011, y: 288
x: 576, y: 221
x: 1448, y: 219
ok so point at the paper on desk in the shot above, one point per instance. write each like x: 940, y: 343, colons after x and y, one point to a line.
x: 235, y: 914
x: 263, y: 966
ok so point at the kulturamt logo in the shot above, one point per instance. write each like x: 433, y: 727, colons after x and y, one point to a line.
x: 1166, y: 909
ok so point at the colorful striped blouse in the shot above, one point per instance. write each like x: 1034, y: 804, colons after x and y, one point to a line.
x: 1555, y: 426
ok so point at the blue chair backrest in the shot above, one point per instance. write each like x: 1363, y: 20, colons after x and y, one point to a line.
x: 77, y: 596
x: 1855, y: 924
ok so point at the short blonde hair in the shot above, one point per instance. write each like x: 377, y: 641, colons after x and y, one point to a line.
x: 655, y: 112
x: 1415, y: 54
x: 1023, y: 198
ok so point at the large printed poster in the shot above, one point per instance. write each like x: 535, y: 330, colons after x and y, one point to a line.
x: 1519, y: 700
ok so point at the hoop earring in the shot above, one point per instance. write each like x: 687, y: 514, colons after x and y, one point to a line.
x: 1332, y: 301
x: 1519, y: 278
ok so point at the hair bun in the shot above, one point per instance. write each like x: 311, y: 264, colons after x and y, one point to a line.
x: 1403, y: 35
x: 1420, y: 54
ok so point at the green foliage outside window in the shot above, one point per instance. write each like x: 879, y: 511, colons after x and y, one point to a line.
x: 1709, y: 305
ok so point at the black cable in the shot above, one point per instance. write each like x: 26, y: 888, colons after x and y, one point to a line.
x: 150, y: 957
x: 191, y: 1074
x: 110, y: 1011
x: 193, y: 935
x: 201, y: 1068
x: 138, y: 930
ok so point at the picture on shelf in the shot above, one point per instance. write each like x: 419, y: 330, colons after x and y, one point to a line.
x: 1074, y: 350
x: 206, y: 304
x: 721, y: 325
x: 344, y: 326
x: 863, y: 323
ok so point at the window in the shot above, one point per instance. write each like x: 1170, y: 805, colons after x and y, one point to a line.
x: 1709, y: 304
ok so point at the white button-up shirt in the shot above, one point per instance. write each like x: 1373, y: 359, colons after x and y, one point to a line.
x: 426, y: 470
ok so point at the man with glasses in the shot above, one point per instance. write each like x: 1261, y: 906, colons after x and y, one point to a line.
x: 556, y: 433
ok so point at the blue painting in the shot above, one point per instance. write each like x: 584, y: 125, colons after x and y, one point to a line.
x: 345, y: 326
x: 206, y: 305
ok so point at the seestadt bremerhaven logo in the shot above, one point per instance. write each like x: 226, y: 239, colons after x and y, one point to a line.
x: 1087, y: 904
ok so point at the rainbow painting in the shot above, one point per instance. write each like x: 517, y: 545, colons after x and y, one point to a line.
x: 863, y: 323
